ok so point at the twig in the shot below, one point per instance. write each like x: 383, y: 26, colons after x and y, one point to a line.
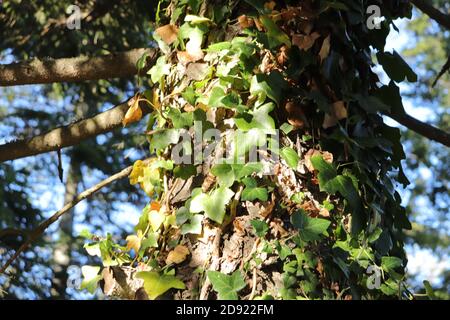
x: 435, y: 14
x: 36, y: 233
x: 444, y: 69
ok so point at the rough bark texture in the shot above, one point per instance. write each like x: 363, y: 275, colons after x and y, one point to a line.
x: 37, y: 71
x: 66, y: 136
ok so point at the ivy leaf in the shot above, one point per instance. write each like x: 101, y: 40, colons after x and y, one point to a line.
x: 261, y: 120
x: 396, y: 68
x: 177, y: 255
x: 156, y: 284
x: 390, y: 263
x: 180, y: 119
x: 331, y: 183
x: 194, y: 226
x: 260, y: 227
x: 162, y: 139
x: 90, y: 278
x: 271, y: 86
x: 160, y: 69
x: 251, y: 194
x: 275, y: 36
x: 310, y: 229
x: 227, y: 286
x: 290, y: 156
x: 156, y: 219
x: 213, y: 205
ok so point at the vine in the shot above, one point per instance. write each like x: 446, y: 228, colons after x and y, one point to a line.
x: 329, y: 211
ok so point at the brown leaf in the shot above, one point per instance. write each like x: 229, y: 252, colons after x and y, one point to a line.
x: 327, y: 156
x: 133, y: 242
x: 245, y: 22
x: 324, y: 213
x: 339, y: 112
x: 168, y: 33
x: 134, y: 113
x: 177, y: 255
x: 197, y: 71
x: 325, y: 50
x: 305, y: 42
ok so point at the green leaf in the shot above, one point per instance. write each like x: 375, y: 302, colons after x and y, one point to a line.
x: 185, y: 171
x: 310, y: 229
x: 90, y: 278
x: 156, y: 284
x: 194, y: 226
x: 271, y: 86
x: 290, y: 156
x: 331, y: 183
x: 160, y: 69
x: 260, y: 227
x: 390, y: 263
x: 260, y: 120
x: 227, y: 286
x: 429, y: 290
x: 275, y: 36
x: 160, y: 140
x: 213, y: 205
x: 251, y: 194
x: 180, y: 119
x: 396, y: 68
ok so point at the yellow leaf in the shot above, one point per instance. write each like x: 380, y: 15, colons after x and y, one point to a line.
x: 133, y: 242
x: 134, y: 113
x: 137, y: 172
x: 325, y: 50
x: 156, y: 219
x: 177, y: 255
x: 168, y: 33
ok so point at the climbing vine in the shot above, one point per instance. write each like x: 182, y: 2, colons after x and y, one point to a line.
x: 322, y: 222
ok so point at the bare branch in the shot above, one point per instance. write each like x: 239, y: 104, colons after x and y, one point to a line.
x: 116, y: 65
x: 36, y: 233
x: 422, y: 128
x: 66, y: 136
x: 435, y: 14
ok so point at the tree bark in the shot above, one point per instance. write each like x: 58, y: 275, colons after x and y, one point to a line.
x: 62, y: 254
x: 37, y: 71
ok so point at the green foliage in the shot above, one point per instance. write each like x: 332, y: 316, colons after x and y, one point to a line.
x: 310, y: 229
x: 226, y: 286
x: 156, y: 284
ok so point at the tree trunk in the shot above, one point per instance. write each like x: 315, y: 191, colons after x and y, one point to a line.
x: 323, y: 220
x: 62, y: 254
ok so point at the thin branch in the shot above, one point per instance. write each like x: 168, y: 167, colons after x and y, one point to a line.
x: 66, y: 136
x: 36, y: 71
x: 426, y: 7
x: 36, y: 233
x: 422, y: 128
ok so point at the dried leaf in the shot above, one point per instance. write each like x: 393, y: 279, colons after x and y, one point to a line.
x: 245, y: 22
x: 339, y: 112
x: 134, y: 113
x: 133, y: 242
x: 305, y: 42
x: 270, y: 5
x: 325, y: 50
x: 197, y: 71
x: 168, y: 33
x: 177, y: 255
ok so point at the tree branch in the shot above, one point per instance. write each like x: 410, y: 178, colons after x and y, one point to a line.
x: 36, y: 233
x: 66, y: 136
x: 36, y: 71
x: 435, y: 14
x: 422, y: 128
